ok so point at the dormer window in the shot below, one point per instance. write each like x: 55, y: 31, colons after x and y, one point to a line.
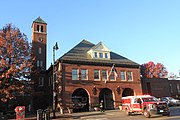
x: 95, y: 55
x: 106, y: 55
x: 100, y: 55
x: 99, y: 51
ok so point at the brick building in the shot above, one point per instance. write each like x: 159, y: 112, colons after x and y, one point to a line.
x: 89, y: 73
x: 161, y: 87
x: 84, y: 76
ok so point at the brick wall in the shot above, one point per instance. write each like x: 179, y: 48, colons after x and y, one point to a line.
x: 71, y: 85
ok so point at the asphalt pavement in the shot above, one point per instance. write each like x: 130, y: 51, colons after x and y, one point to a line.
x: 113, y: 115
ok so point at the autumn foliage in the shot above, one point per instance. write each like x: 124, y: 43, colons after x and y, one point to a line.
x: 15, y: 62
x: 151, y: 70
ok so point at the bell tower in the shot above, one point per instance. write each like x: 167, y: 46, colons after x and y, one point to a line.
x: 39, y: 50
x: 39, y: 43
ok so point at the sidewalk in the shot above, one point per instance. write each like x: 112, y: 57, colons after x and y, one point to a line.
x: 80, y: 115
x: 84, y: 115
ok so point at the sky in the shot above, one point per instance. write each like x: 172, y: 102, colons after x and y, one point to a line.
x: 140, y: 30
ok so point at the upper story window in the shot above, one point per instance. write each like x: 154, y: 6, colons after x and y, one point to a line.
x: 171, y: 88
x: 129, y: 76
x: 100, y: 55
x: 75, y: 74
x: 96, y: 75
x: 106, y: 55
x: 40, y: 50
x: 104, y: 75
x: 178, y: 88
x: 84, y: 74
x: 112, y: 76
x: 41, y: 63
x: 38, y: 63
x: 39, y: 28
x: 99, y: 51
x: 50, y: 80
x: 95, y: 55
x: 123, y: 75
x: 41, y: 81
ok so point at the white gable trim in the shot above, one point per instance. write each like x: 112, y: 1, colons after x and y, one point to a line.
x: 98, y: 49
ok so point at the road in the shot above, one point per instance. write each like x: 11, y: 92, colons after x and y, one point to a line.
x: 113, y: 115
x: 121, y: 115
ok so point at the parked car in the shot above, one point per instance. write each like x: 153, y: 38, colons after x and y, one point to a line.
x: 170, y: 101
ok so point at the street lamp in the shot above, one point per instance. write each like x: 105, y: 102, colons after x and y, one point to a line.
x: 54, y: 89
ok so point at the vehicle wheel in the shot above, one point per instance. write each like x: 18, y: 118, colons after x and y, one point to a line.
x: 128, y: 113
x: 168, y: 114
x: 147, y: 114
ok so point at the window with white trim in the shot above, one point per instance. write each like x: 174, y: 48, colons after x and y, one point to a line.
x: 84, y: 74
x: 104, y: 75
x: 100, y: 55
x: 123, y: 75
x: 112, y: 76
x: 96, y: 75
x: 106, y: 55
x: 75, y: 74
x: 129, y: 76
x: 95, y: 55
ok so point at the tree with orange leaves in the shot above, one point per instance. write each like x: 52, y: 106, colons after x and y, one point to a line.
x: 15, y: 62
x: 151, y: 70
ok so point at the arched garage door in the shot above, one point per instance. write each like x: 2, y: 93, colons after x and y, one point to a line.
x: 127, y: 92
x: 107, y: 97
x: 80, y: 100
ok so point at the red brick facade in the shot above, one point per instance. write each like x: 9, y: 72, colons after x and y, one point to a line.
x: 39, y: 44
x: 95, y: 87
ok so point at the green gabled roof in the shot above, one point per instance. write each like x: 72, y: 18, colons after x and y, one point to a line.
x: 39, y: 20
x: 79, y: 54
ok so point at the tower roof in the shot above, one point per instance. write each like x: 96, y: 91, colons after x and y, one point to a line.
x: 39, y: 20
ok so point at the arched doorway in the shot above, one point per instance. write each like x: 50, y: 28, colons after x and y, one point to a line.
x: 127, y: 92
x: 107, y: 97
x: 80, y: 100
